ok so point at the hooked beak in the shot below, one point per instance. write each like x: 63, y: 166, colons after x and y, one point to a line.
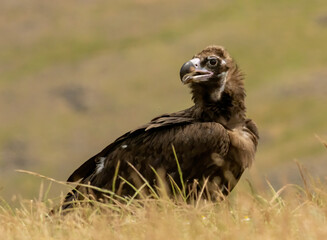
x: 192, y: 71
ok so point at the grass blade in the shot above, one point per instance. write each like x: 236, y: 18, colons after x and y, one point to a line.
x: 179, y: 172
x: 144, y: 180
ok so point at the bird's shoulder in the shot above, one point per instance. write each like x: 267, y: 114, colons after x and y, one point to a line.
x: 179, y: 128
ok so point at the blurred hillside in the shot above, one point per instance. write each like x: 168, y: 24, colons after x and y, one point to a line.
x: 76, y: 75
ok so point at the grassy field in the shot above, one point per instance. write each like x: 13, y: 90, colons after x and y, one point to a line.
x: 73, y: 77
x: 292, y: 212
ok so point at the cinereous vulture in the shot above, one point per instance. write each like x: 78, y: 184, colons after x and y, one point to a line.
x: 213, y: 140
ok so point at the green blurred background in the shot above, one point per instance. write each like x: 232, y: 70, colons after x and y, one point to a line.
x: 75, y: 75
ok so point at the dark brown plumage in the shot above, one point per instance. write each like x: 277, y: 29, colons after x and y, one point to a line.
x: 213, y: 139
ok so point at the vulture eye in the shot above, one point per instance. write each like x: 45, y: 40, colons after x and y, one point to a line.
x: 212, y: 62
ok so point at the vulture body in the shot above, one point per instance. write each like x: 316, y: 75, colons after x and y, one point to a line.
x: 213, y: 140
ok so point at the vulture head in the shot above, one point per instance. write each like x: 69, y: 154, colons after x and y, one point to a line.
x: 208, y: 66
x: 208, y: 70
x: 216, y: 84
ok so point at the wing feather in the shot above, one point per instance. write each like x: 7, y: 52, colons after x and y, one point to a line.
x: 194, y: 143
x: 165, y: 120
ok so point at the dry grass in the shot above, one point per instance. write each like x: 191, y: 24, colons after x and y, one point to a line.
x: 291, y: 212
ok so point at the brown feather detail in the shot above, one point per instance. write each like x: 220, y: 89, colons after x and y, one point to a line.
x: 243, y: 145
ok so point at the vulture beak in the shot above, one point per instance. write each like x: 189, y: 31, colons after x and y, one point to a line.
x: 192, y: 71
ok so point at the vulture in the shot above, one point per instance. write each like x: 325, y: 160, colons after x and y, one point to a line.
x: 202, y: 149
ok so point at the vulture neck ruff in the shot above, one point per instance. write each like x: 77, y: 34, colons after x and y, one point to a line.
x: 216, y: 94
x: 222, y: 102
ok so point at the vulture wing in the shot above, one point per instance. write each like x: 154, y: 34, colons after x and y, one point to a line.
x: 165, y: 120
x: 201, y: 147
